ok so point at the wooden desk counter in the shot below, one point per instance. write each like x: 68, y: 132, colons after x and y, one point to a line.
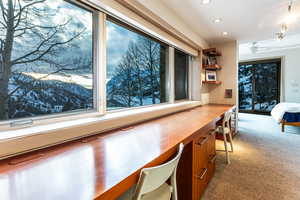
x: 101, y: 166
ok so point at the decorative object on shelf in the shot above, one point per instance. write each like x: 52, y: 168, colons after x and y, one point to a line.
x: 211, y: 75
x: 212, y: 60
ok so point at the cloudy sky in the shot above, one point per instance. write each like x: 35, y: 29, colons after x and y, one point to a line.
x: 118, y: 39
x: 60, y: 11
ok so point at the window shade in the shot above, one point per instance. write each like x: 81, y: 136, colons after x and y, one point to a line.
x: 124, y: 14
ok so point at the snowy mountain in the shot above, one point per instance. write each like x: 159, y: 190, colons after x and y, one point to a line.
x: 31, y: 97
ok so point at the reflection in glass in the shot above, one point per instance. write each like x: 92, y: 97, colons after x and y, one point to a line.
x: 181, y: 75
x: 136, y: 68
x: 46, y: 58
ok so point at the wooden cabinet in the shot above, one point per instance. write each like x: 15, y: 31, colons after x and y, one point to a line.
x: 197, y: 166
x: 204, y: 159
x: 212, y: 155
x: 200, y: 166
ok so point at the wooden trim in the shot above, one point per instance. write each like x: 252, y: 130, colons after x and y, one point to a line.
x: 212, y: 82
x: 212, y: 67
x: 283, y: 123
x: 157, y: 21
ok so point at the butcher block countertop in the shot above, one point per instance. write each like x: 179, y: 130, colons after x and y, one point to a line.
x: 102, y: 166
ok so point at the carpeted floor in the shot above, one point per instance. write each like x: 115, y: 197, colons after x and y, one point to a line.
x: 265, y: 164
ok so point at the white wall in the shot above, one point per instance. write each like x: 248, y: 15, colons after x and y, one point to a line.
x: 290, y: 71
x: 172, y: 18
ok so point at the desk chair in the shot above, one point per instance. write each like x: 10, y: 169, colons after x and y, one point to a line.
x: 152, y: 182
x: 226, y: 131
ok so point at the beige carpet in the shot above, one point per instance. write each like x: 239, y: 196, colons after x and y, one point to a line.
x: 265, y: 164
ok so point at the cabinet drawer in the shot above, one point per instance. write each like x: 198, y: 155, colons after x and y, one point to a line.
x: 204, y: 159
x: 200, y: 169
x: 211, y: 153
x: 200, y: 153
x: 211, y: 167
x: 200, y: 183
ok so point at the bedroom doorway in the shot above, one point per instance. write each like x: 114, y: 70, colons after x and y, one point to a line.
x: 259, y: 85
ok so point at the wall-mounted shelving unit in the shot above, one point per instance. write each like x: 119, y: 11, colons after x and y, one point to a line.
x: 210, y: 63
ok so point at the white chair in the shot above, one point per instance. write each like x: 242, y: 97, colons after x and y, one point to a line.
x: 226, y: 131
x: 152, y: 182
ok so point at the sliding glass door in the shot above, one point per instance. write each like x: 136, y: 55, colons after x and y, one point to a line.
x: 259, y: 85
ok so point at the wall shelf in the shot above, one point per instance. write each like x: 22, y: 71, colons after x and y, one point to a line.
x: 212, y: 82
x: 211, y: 52
x: 212, y: 67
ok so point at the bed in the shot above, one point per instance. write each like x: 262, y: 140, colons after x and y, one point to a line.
x: 287, y: 114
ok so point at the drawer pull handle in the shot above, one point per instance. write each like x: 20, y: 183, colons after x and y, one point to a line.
x: 201, y: 177
x: 213, y: 159
x: 202, y: 142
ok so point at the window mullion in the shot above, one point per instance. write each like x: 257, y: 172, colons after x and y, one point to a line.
x: 102, y: 63
x: 190, y: 77
x: 171, y: 78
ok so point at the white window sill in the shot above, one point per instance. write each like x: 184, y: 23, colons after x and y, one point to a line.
x: 26, y: 139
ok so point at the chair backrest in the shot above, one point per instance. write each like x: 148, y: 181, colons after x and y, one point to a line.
x: 226, y: 119
x: 152, y: 178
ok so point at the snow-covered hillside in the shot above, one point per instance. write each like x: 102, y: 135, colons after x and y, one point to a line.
x: 37, y: 97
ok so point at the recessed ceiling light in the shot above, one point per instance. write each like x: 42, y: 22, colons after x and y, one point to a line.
x: 217, y: 20
x: 206, y: 1
x: 225, y: 33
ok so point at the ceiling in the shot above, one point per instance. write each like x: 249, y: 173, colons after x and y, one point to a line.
x: 265, y: 46
x: 244, y: 20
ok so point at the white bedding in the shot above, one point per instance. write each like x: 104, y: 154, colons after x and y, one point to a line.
x: 280, y: 109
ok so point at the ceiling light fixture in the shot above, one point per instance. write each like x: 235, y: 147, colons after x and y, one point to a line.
x: 291, y: 17
x: 206, y: 1
x: 284, y: 28
x: 217, y: 20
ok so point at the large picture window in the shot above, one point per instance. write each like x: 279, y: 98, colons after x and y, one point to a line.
x: 136, y: 68
x: 259, y: 85
x: 46, y: 58
x: 60, y: 59
x: 181, y: 75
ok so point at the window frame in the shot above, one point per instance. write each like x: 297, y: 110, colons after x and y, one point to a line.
x: 125, y: 25
x: 56, y: 117
x: 100, y: 16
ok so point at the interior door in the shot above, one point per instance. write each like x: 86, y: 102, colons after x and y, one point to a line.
x: 259, y: 86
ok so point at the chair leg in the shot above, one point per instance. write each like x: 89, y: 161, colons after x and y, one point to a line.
x: 226, y: 149
x: 174, y: 186
x: 230, y: 140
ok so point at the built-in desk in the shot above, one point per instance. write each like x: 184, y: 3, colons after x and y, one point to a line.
x: 105, y: 165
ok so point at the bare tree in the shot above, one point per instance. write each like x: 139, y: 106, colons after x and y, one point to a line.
x: 138, y: 69
x: 124, y: 90
x: 137, y: 76
x: 18, y: 22
x: 150, y: 59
